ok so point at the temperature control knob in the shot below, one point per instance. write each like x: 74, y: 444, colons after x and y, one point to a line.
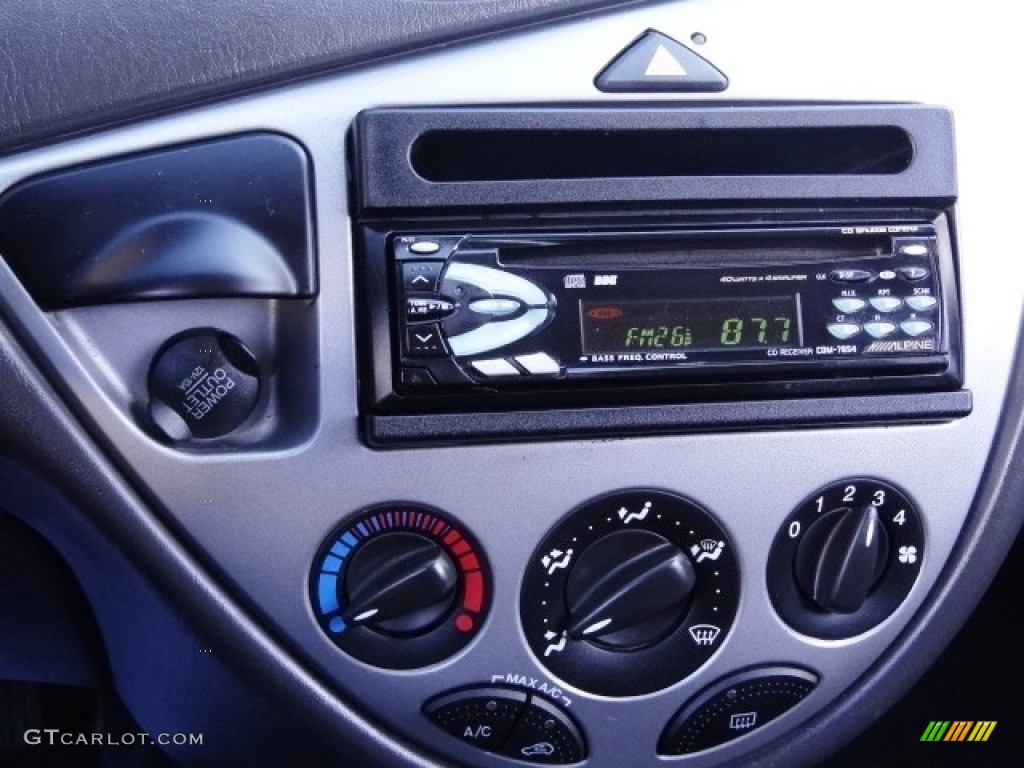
x: 399, y: 582
x: 400, y: 586
x: 846, y: 558
x: 630, y: 593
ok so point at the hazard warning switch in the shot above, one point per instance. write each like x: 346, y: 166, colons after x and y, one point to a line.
x: 656, y: 62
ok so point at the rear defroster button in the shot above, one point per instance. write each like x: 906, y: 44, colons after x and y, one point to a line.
x: 734, y: 707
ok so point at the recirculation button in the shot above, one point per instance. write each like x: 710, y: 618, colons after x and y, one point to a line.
x: 544, y: 735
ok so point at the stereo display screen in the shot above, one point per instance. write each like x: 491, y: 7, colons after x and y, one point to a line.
x: 683, y: 325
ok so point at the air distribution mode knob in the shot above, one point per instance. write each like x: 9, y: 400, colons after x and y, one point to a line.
x: 841, y: 558
x: 630, y: 593
x: 203, y: 383
x: 400, y: 585
x: 628, y: 590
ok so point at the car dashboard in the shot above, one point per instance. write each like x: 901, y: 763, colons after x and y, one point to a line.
x: 574, y: 383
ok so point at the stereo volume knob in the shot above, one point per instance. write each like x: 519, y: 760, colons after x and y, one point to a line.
x: 628, y: 590
x: 841, y: 558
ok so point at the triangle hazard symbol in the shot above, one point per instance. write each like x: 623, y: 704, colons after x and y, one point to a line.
x: 664, y: 64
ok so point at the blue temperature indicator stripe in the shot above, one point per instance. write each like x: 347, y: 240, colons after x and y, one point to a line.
x: 363, y: 529
x: 327, y: 590
x: 340, y: 550
x: 332, y: 564
x: 349, y: 539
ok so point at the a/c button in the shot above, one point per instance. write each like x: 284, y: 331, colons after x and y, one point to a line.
x: 481, y: 717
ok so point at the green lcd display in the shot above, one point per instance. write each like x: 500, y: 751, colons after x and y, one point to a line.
x: 689, y: 325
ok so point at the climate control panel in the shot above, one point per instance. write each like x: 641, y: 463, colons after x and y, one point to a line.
x: 627, y: 595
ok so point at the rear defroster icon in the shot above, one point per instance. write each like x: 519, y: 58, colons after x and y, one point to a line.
x: 742, y: 720
x: 704, y: 634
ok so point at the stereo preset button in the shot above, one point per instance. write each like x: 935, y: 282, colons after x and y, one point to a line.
x: 843, y: 331
x: 880, y: 329
x: 421, y: 276
x: 921, y: 303
x: 495, y: 307
x: 539, y: 364
x: 425, y: 247
x: 851, y: 275
x: 916, y: 327
x: 914, y: 249
x: 849, y: 306
x: 913, y: 274
x: 495, y: 367
x: 886, y: 303
x: 424, y: 341
x: 418, y: 310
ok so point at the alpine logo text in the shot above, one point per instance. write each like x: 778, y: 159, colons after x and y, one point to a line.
x: 903, y: 345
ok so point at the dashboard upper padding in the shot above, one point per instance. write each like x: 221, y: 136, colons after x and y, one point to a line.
x: 72, y: 67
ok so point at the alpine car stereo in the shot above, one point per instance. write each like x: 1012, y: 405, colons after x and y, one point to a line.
x: 498, y: 309
x: 496, y: 312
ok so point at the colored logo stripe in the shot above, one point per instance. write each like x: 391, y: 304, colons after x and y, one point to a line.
x: 958, y: 730
x: 982, y: 730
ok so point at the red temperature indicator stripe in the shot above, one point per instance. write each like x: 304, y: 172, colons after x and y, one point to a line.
x: 469, y: 562
x: 452, y: 537
x: 474, y: 598
x: 460, y: 547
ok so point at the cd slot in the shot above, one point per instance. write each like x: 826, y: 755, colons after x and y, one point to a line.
x: 680, y: 251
